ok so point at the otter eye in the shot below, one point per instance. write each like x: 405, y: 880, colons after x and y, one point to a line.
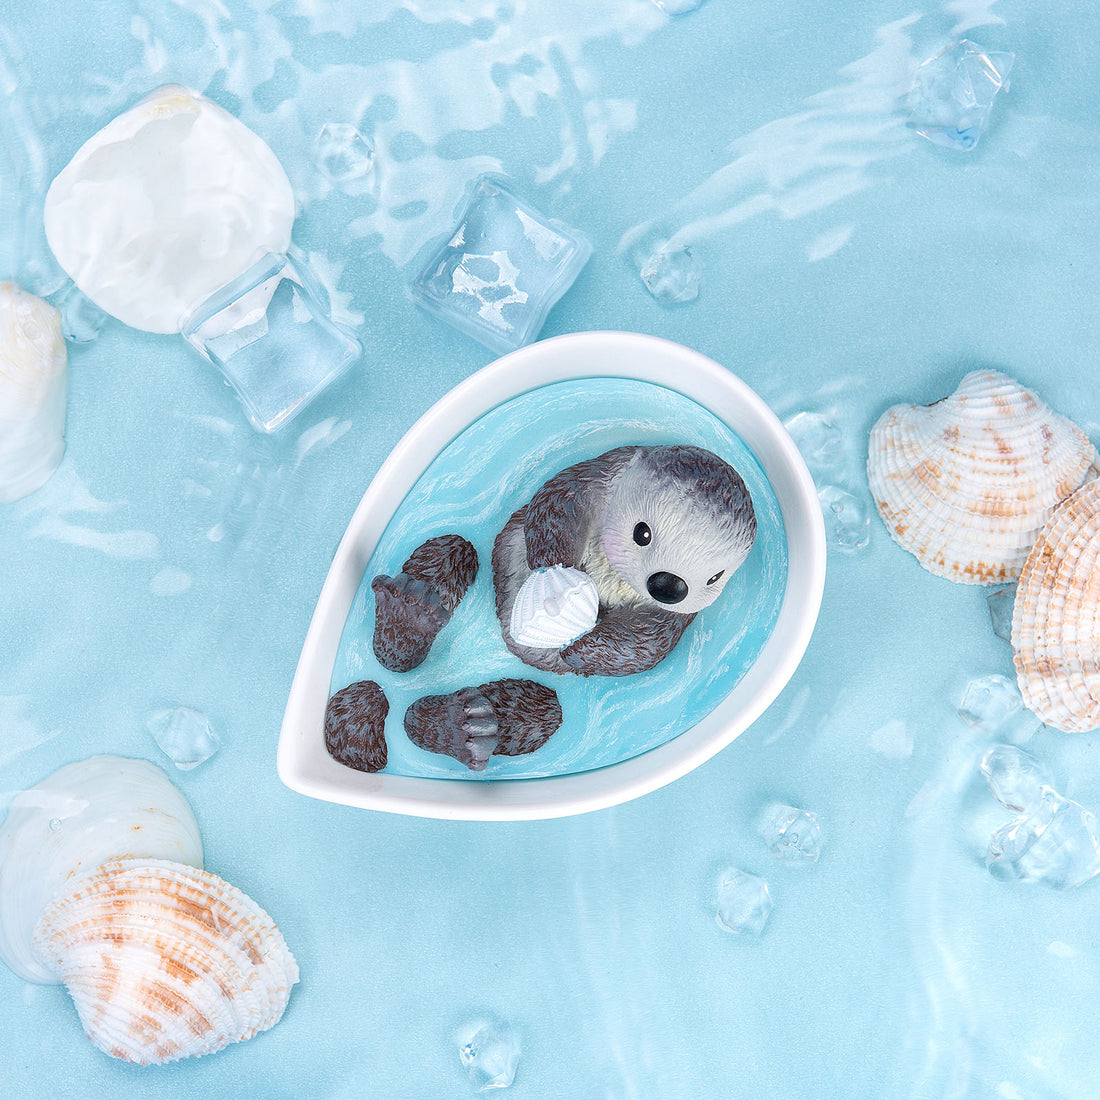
x: 717, y: 577
x: 643, y: 536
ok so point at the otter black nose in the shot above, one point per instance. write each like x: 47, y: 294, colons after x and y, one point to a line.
x: 666, y: 588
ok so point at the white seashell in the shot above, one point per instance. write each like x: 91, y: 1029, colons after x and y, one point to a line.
x: 554, y: 607
x: 34, y: 378
x: 1056, y: 617
x: 81, y: 816
x: 165, y: 961
x: 967, y: 483
x: 169, y: 202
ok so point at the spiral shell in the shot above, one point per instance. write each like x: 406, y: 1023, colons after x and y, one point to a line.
x: 554, y: 607
x: 967, y: 483
x: 34, y: 379
x: 1056, y: 617
x: 165, y: 961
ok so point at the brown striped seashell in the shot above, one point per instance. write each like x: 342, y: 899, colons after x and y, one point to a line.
x: 966, y: 484
x: 165, y: 961
x: 1056, y: 617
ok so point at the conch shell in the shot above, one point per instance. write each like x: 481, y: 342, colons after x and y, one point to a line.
x: 967, y: 483
x: 34, y: 379
x: 1056, y: 617
x: 555, y: 607
x: 165, y: 961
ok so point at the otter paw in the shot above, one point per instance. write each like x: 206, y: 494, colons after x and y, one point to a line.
x: 408, y: 614
x: 461, y: 725
x: 448, y: 563
x: 506, y: 717
x: 354, y: 721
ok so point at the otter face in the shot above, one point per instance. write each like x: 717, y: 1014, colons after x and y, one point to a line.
x: 666, y: 540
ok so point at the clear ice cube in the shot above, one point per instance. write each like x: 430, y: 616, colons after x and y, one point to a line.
x: 341, y: 153
x: 821, y: 444
x: 1015, y: 777
x: 1001, y: 602
x: 1056, y: 844
x: 184, y: 735
x: 673, y: 276
x: 490, y: 1055
x: 953, y: 93
x: 81, y: 319
x: 847, y: 518
x: 989, y: 702
x: 791, y: 833
x: 272, y: 340
x: 502, y: 269
x: 744, y: 902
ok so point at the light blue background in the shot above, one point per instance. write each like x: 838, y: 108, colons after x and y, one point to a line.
x: 176, y: 555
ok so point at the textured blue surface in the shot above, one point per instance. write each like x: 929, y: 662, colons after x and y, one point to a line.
x: 175, y: 557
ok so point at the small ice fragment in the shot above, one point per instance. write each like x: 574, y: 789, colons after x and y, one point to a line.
x: 791, y: 833
x: 678, y: 7
x: 953, y: 93
x: 1000, y: 603
x: 1015, y: 777
x: 184, y: 735
x: 744, y: 902
x: 341, y: 153
x: 847, y: 518
x: 821, y: 444
x: 490, y: 1056
x: 989, y: 702
x: 1057, y: 844
x: 81, y: 319
x: 502, y: 269
x: 672, y: 276
x: 55, y: 824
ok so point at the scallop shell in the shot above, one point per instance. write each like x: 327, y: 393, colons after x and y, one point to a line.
x: 1056, y: 617
x: 966, y: 484
x: 165, y: 961
x: 34, y: 379
x: 554, y: 607
x: 81, y: 816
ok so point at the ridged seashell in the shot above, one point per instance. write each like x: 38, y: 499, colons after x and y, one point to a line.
x: 554, y: 607
x: 34, y: 379
x: 81, y: 816
x: 165, y: 961
x: 168, y: 203
x: 1056, y: 617
x: 967, y: 483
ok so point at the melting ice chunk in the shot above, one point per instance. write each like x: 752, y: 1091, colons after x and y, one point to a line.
x: 1000, y: 603
x: 341, y: 153
x: 744, y: 902
x: 953, y: 93
x: 791, y: 833
x: 81, y: 318
x: 184, y: 735
x: 992, y: 704
x: 490, y: 1055
x: 847, y: 518
x: 672, y: 276
x: 501, y: 271
x: 821, y: 444
x: 1015, y: 777
x: 1056, y: 844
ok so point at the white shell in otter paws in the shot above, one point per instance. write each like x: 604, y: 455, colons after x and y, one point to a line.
x: 165, y: 961
x: 34, y: 378
x: 555, y: 607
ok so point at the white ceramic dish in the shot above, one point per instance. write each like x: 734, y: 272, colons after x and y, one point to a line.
x: 303, y: 761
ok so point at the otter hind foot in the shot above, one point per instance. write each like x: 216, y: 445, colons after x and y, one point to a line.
x: 505, y: 717
x: 355, y: 719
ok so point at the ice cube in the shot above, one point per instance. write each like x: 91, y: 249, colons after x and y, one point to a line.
x: 502, y: 269
x: 791, y: 833
x: 1001, y: 601
x: 847, y: 518
x: 81, y: 319
x: 1056, y: 844
x: 672, y: 276
x: 341, y: 153
x: 272, y: 340
x: 184, y: 735
x: 953, y: 93
x: 821, y: 444
x: 1015, y: 777
x: 490, y: 1054
x: 744, y: 902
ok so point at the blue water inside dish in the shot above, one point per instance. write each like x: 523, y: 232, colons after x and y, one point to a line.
x: 176, y: 556
x: 479, y: 479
